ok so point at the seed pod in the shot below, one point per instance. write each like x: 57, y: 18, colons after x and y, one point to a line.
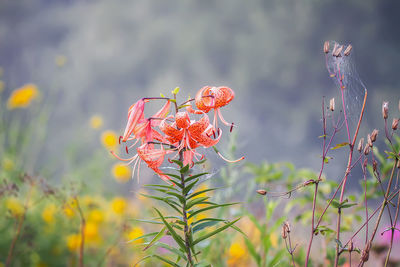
x: 262, y: 192
x: 332, y: 104
x: 395, y: 124
x: 351, y: 246
x: 365, y: 252
x: 285, y: 230
x: 385, y: 110
x: 348, y: 50
x: 374, y: 165
x: 326, y: 47
x: 369, y: 140
x: 336, y: 53
x: 360, y: 145
x: 374, y: 134
x: 366, y: 150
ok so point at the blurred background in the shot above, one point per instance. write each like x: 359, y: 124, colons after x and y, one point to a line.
x: 270, y: 52
x: 84, y: 62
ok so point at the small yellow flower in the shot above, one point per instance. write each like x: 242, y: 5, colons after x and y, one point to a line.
x: 274, y: 239
x: 236, y: 254
x: 68, y: 211
x: 121, y: 172
x: 118, y: 205
x: 22, y: 97
x: 73, y: 242
x: 96, y: 216
x: 48, y: 213
x: 60, y: 60
x: 7, y: 164
x: 91, y: 230
x: 15, y: 206
x: 109, y: 139
x: 135, y: 233
x: 96, y: 121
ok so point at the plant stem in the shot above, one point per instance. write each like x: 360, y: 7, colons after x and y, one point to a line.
x: 184, y: 213
x: 19, y: 227
x: 83, y: 226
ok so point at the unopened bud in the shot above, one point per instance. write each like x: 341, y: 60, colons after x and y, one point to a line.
x: 337, y: 51
x: 395, y: 124
x: 369, y: 140
x: 348, y: 50
x: 360, y: 145
x: 262, y: 192
x: 374, y: 165
x: 374, y: 134
x: 308, y: 182
x: 326, y: 47
x: 365, y: 252
x: 385, y: 110
x: 366, y: 150
x: 332, y: 104
x: 285, y: 230
x: 351, y: 246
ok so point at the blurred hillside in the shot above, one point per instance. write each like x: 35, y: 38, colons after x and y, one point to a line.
x: 269, y: 52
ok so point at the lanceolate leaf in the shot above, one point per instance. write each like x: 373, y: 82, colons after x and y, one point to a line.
x: 214, y: 232
x: 156, y: 238
x: 190, y: 178
x: 195, y: 201
x: 209, y: 208
x: 172, y: 249
x: 253, y: 251
x: 167, y: 187
x: 189, y: 187
x: 166, y: 260
x: 174, y: 235
x: 143, y: 236
x: 340, y: 145
x: 204, y: 225
x: 200, y: 192
x: 184, y: 169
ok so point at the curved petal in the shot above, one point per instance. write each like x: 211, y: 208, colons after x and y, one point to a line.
x: 161, y: 114
x: 206, y: 141
x: 182, y: 119
x: 170, y: 130
x: 199, y: 126
x: 203, y: 101
x: 134, y: 115
x: 223, y: 95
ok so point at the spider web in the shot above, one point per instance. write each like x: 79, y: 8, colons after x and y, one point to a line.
x: 342, y: 70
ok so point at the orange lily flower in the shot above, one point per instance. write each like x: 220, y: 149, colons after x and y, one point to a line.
x: 188, y: 135
x: 208, y: 98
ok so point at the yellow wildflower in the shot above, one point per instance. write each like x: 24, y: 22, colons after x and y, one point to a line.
x: 48, y: 213
x: 7, y: 164
x: 15, y: 206
x: 91, y: 230
x: 68, y: 211
x: 135, y: 233
x: 22, y: 97
x: 60, y: 60
x: 121, y: 172
x: 236, y: 254
x: 96, y: 216
x: 274, y: 239
x: 73, y: 242
x: 109, y: 139
x: 118, y: 205
x: 96, y: 121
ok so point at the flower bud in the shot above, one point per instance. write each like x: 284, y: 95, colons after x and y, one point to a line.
x: 365, y: 252
x: 285, y: 230
x: 360, y: 145
x: 326, y: 47
x: 366, y: 150
x: 348, y: 50
x: 337, y: 51
x: 369, y: 140
x: 332, y: 104
x: 262, y: 192
x: 395, y: 124
x: 351, y: 246
x: 374, y: 134
x: 374, y: 165
x: 385, y: 110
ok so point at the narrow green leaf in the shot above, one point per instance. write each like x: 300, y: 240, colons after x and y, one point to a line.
x: 195, y: 201
x: 172, y: 249
x: 204, y: 225
x: 200, y: 192
x: 200, y: 162
x: 178, y: 162
x: 178, y: 196
x: 192, y: 177
x: 184, y: 169
x: 166, y: 260
x: 189, y: 187
x: 156, y: 238
x: 214, y: 232
x: 253, y: 252
x: 174, y: 235
x: 168, y: 187
x: 142, y: 236
x: 211, y: 207
x: 337, y: 146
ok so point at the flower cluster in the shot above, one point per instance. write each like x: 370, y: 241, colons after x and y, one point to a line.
x: 179, y: 134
